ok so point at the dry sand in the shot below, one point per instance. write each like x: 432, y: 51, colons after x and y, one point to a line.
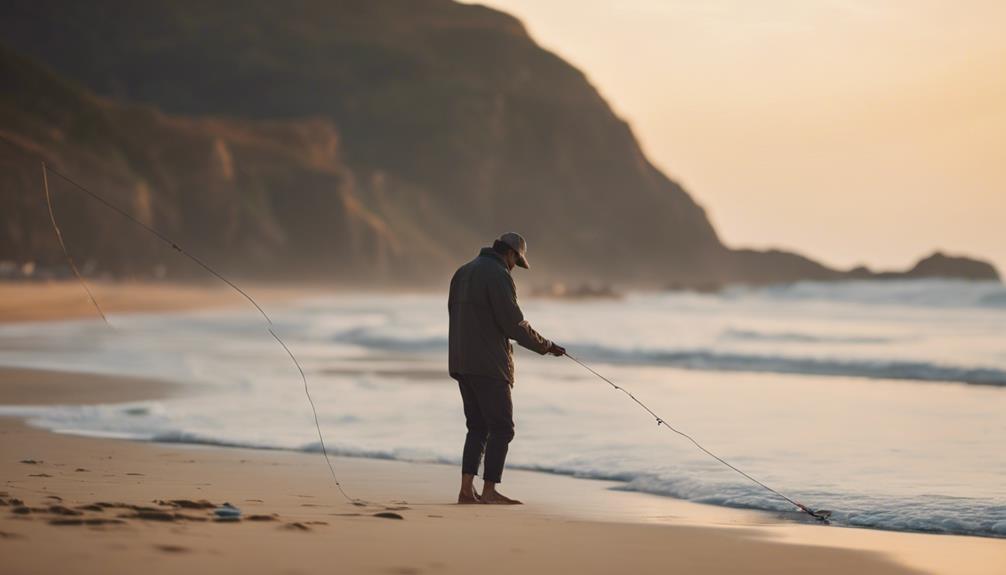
x: 93, y: 505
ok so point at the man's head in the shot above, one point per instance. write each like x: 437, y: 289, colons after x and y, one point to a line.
x: 512, y: 247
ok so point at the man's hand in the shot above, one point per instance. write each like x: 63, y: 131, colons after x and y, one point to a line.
x: 556, y: 350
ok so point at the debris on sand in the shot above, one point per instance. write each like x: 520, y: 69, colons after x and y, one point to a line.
x: 227, y: 512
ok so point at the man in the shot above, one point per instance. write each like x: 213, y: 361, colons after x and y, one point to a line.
x: 484, y: 317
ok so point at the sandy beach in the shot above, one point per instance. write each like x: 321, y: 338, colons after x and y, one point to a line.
x: 102, y: 505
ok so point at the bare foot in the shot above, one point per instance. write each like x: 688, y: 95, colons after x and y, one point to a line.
x: 497, y: 498
x: 468, y: 497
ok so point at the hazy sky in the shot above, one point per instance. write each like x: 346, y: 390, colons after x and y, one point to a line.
x: 855, y: 131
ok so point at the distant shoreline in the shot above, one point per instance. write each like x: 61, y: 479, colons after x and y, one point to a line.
x: 27, y: 301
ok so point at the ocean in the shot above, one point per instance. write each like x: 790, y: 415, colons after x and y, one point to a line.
x: 884, y: 402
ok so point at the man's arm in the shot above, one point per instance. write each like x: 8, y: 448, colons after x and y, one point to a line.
x: 503, y: 300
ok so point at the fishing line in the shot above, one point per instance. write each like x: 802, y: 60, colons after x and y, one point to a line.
x: 66, y: 253
x: 46, y: 169
x: 819, y: 514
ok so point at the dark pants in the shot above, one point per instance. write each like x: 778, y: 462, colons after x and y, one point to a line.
x: 489, y: 417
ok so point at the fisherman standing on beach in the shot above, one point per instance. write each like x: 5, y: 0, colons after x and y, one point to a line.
x: 484, y: 317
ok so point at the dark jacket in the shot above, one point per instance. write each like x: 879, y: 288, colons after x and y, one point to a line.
x: 484, y: 317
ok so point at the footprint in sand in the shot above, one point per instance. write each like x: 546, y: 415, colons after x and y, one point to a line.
x: 172, y: 548
x: 404, y: 570
x: 92, y: 521
x: 388, y: 515
x: 187, y: 503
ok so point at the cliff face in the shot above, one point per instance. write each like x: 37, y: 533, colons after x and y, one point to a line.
x: 431, y: 127
x: 234, y: 191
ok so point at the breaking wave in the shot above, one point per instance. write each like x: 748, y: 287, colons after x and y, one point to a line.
x: 937, y: 293
x: 794, y: 337
x: 714, y: 360
x: 871, y: 369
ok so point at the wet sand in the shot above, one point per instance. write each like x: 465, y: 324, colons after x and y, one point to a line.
x: 61, y: 300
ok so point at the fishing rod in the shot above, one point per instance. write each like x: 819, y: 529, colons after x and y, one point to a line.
x: 821, y: 515
x: 46, y: 169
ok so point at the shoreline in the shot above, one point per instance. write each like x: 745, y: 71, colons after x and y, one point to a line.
x: 295, y: 489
